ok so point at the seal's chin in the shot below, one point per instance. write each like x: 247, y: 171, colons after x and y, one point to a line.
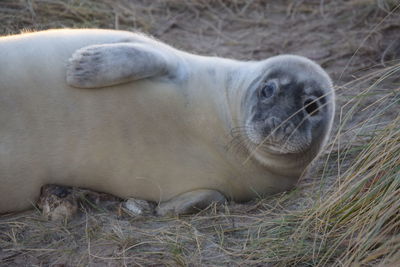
x: 284, y: 149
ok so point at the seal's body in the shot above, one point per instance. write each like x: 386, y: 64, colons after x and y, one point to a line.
x: 178, y: 124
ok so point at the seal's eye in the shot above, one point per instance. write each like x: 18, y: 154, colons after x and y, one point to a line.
x: 311, y: 106
x: 268, y: 90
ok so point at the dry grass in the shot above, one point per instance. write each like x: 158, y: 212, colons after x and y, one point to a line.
x: 345, y: 212
x: 358, y: 222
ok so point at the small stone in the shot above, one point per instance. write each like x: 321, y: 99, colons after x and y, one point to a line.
x: 139, y: 207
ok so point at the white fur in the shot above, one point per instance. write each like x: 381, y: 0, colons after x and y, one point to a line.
x: 162, y: 135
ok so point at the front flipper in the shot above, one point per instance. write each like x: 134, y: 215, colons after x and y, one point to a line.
x: 190, y: 202
x: 111, y: 64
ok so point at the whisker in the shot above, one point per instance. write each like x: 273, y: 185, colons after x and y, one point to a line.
x: 301, y: 123
x: 239, y: 141
x: 285, y: 121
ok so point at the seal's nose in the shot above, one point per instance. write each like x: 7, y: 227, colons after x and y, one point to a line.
x: 272, y: 124
x: 277, y: 129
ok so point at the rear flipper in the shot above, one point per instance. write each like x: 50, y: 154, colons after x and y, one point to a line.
x: 111, y: 64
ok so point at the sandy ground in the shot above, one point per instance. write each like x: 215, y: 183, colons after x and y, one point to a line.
x: 348, y: 38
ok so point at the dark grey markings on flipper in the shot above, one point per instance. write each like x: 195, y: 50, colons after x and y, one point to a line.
x: 111, y: 64
x: 83, y: 67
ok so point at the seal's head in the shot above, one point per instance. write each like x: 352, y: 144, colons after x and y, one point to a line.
x: 289, y: 108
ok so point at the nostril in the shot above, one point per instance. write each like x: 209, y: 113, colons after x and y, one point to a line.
x: 311, y: 106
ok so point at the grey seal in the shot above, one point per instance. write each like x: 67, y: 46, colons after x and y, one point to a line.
x: 122, y: 113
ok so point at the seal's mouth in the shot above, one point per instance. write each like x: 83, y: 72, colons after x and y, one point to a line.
x: 287, y: 140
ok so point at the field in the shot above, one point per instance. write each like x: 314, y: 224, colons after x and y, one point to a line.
x: 344, y: 212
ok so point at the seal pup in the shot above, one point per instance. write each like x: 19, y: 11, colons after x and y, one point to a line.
x: 122, y: 113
